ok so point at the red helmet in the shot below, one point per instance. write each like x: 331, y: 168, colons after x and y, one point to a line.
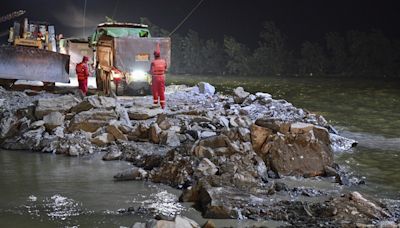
x: 85, y: 59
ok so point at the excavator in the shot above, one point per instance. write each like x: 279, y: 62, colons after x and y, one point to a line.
x: 32, y: 54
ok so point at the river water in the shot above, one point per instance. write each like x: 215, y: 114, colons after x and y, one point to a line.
x: 46, y: 190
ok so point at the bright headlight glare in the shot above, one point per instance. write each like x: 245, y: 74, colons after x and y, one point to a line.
x: 139, y: 75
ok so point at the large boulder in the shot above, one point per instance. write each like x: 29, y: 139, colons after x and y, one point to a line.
x: 354, y: 208
x: 245, y: 134
x: 248, y: 101
x: 322, y: 134
x: 201, y: 152
x: 177, y: 173
x: 123, y: 116
x: 223, y: 121
x: 214, y: 145
x: 215, y: 141
x: 219, y: 202
x: 53, y: 120
x: 154, y: 133
x: 264, y: 98
x: 299, y: 154
x: 37, y: 124
x: 24, y: 124
x: 207, y: 134
x: 50, y: 143
x: 258, y: 136
x: 261, y: 95
x: 95, y: 101
x: 131, y: 174
x: 206, y: 167
x: 274, y: 124
x: 59, y: 104
x: 170, y: 138
x: 91, y: 120
x: 143, y: 154
x: 239, y: 95
x: 103, y: 139
x: 241, y: 121
x: 114, y: 153
x: 179, y: 222
x: 139, y: 132
x: 300, y: 128
x: 209, y: 224
x: 33, y: 138
x: 8, y: 125
x: 164, y: 124
x: 206, y: 88
x: 114, y: 130
x: 30, y: 140
x: 142, y: 113
x: 75, y: 144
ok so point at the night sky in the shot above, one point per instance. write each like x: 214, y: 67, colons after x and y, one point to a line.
x: 300, y: 20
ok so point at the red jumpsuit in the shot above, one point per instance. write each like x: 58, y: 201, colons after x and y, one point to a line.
x: 157, y: 70
x: 82, y: 72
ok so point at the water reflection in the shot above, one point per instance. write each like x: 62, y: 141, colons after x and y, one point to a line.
x: 46, y: 190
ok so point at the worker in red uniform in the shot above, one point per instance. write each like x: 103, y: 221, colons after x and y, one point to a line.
x: 157, y: 70
x: 82, y: 72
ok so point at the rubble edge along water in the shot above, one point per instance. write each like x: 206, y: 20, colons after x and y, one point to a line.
x: 206, y: 144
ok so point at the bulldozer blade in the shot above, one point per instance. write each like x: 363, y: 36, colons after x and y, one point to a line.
x: 28, y: 63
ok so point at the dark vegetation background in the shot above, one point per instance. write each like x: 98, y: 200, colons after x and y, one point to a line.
x: 348, y: 54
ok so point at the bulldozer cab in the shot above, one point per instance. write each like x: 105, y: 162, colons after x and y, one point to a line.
x: 33, y: 34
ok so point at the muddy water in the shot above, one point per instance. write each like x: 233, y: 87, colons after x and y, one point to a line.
x: 47, y: 190
x: 44, y: 190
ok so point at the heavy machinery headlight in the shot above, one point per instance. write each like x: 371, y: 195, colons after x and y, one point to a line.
x: 138, y: 75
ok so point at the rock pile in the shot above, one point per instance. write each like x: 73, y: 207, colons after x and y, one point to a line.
x: 225, y: 152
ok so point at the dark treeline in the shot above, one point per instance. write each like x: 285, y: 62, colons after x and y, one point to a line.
x: 354, y: 53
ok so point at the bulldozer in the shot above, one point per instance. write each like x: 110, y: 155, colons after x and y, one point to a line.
x: 123, y: 53
x: 32, y: 55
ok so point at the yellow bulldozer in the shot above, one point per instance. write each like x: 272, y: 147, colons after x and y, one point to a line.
x: 33, y: 34
x: 32, y: 55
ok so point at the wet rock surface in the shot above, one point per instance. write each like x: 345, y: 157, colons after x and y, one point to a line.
x: 231, y: 155
x: 179, y: 221
x: 60, y: 104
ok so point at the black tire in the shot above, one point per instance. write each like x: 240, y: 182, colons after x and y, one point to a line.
x: 7, y: 83
x: 121, y: 88
x: 49, y: 86
x: 138, y: 89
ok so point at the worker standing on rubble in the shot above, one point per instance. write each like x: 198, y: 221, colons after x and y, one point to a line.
x: 82, y: 72
x: 157, y: 70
